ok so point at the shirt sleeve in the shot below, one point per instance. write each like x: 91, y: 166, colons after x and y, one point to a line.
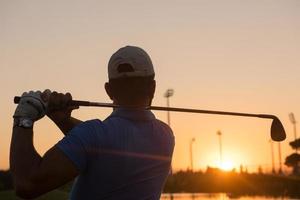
x: 76, y: 144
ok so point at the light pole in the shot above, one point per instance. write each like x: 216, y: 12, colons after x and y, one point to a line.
x: 279, y: 157
x: 168, y: 94
x: 293, y: 121
x: 191, y: 153
x: 219, y: 133
x: 272, y: 156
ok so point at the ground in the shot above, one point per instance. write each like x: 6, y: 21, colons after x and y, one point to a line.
x: 56, y: 194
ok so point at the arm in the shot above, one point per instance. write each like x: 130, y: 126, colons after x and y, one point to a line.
x: 34, y: 175
x: 66, y: 125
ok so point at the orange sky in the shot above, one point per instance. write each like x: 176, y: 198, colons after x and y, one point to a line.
x: 221, y: 55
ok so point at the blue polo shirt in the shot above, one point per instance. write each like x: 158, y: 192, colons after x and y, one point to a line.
x: 126, y: 156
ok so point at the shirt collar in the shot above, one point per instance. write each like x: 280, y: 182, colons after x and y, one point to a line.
x: 133, y: 114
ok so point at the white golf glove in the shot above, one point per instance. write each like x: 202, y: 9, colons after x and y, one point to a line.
x: 31, y: 106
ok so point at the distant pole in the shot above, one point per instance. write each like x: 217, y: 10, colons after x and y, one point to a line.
x: 279, y: 157
x: 294, y: 122
x: 167, y: 95
x: 191, y: 153
x: 272, y: 156
x: 219, y: 133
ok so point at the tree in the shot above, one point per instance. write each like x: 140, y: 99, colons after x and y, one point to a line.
x: 295, y: 144
x: 293, y: 160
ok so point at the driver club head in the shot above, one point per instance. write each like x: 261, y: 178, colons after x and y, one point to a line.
x: 277, y: 130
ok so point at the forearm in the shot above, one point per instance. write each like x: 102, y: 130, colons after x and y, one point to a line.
x: 34, y: 175
x: 66, y: 125
x: 23, y: 157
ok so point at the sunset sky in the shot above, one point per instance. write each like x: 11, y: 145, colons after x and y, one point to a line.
x: 228, y: 55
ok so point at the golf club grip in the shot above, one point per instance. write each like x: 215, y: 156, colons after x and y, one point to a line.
x: 73, y: 103
x: 17, y: 99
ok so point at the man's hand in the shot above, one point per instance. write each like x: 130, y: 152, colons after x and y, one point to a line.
x: 59, y: 110
x: 31, y: 106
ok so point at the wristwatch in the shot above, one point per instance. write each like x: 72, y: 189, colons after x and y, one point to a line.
x: 23, y: 122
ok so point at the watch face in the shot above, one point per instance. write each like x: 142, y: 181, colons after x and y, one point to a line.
x: 26, y: 123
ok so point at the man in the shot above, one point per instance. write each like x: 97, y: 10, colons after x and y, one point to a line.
x: 126, y: 156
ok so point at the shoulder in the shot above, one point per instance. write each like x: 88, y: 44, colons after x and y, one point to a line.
x: 84, y: 136
x: 163, y: 124
x: 165, y: 127
x: 79, y: 142
x: 88, y: 125
x: 87, y: 129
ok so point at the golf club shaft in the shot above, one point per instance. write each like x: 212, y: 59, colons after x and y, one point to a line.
x: 160, y: 108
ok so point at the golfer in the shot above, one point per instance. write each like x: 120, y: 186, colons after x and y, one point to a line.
x: 126, y: 156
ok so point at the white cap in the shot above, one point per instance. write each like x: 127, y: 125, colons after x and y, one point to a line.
x: 130, y: 61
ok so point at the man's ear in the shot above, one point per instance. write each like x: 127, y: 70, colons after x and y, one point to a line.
x: 108, y: 90
x: 152, y: 89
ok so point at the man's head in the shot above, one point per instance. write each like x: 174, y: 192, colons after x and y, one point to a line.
x: 131, y: 77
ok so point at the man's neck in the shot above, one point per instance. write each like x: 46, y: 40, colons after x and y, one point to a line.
x: 133, y: 104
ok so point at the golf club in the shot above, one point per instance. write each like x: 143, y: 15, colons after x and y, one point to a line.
x: 277, y: 129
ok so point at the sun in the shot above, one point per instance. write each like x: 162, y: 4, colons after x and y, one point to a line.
x: 226, y: 165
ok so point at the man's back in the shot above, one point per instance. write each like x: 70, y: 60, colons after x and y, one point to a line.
x: 127, y: 156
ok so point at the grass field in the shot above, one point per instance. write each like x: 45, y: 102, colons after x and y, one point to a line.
x: 56, y: 194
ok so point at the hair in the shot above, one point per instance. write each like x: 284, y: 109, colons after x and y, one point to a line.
x: 132, y: 89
